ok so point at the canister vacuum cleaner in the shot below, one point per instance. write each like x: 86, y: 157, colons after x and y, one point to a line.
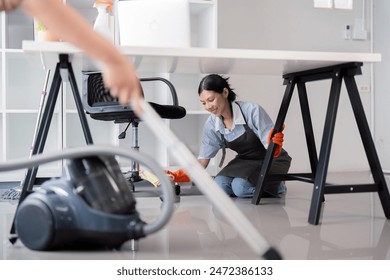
x: 90, y: 207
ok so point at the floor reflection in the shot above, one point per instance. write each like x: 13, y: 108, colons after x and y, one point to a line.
x: 352, y: 227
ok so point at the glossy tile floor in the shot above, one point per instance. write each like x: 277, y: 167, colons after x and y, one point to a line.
x: 352, y: 226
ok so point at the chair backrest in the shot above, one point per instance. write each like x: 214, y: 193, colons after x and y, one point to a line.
x: 100, y: 105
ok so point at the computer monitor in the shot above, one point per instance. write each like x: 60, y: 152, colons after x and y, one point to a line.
x: 155, y: 23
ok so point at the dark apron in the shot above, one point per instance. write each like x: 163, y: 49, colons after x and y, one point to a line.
x: 249, y: 159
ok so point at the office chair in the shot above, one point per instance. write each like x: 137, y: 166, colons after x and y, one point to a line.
x: 100, y: 105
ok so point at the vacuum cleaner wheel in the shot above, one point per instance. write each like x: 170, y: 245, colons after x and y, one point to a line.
x: 35, y: 224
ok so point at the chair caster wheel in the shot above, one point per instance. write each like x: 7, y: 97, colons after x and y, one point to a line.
x: 177, y: 189
x: 176, y: 193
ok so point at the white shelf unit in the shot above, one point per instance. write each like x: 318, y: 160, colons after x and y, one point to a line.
x: 22, y: 81
x: 22, y: 78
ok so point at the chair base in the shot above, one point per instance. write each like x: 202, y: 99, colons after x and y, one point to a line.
x: 132, y: 177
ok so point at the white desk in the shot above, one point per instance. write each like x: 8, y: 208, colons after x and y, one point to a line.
x: 297, y: 68
x: 223, y: 61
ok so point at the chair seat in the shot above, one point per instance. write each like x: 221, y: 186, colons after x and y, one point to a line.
x: 100, y: 105
x: 127, y: 114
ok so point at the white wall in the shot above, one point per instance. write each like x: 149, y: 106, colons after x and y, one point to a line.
x: 382, y: 90
x: 287, y: 24
x: 296, y: 25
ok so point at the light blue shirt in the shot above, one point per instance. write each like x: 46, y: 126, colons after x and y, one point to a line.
x: 256, y: 118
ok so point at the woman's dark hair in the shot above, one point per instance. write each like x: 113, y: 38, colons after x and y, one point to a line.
x: 216, y: 83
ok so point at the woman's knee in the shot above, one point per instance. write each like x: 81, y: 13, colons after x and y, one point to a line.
x: 225, y: 183
x: 242, y: 188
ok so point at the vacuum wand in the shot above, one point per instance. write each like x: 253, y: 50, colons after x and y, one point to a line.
x: 206, y: 184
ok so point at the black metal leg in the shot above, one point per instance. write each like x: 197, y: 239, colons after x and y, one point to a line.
x: 79, y: 104
x: 43, y: 130
x: 368, y: 144
x: 319, y: 166
x: 322, y: 168
x: 271, y: 148
x: 308, y: 126
x: 44, y: 125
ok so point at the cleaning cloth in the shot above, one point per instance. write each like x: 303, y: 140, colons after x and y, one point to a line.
x: 178, y: 176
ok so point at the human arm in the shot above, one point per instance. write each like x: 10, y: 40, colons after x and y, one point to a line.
x: 9, y: 5
x: 204, y: 162
x: 119, y: 74
x: 260, y: 122
x: 210, y: 144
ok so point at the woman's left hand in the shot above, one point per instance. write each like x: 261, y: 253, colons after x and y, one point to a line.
x: 278, y: 139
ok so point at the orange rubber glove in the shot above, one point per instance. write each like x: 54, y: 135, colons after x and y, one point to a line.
x: 178, y: 176
x: 278, y: 139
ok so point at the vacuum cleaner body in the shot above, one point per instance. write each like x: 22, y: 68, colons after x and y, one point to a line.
x: 92, y: 208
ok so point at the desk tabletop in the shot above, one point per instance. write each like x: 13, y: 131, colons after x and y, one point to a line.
x: 215, y: 60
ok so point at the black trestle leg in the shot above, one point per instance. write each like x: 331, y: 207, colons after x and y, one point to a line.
x: 63, y: 66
